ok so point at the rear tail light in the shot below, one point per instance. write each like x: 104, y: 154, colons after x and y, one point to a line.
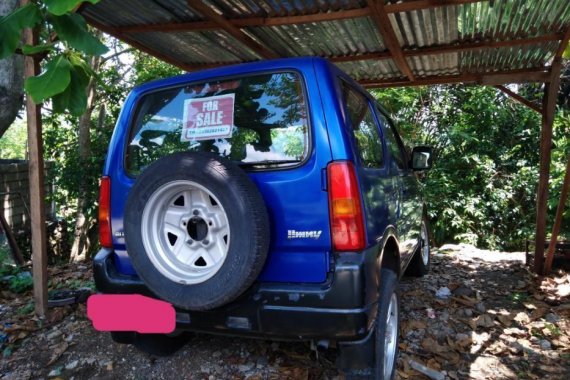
x: 105, y: 237
x: 347, y: 222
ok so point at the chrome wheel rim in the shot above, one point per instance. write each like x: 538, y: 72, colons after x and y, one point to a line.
x: 391, y: 338
x: 425, y: 244
x: 185, y: 232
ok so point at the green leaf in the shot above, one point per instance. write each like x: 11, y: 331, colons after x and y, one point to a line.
x: 74, y: 98
x: 566, y: 53
x: 54, y: 80
x: 12, y: 24
x: 29, y: 49
x: 72, y: 29
x: 60, y: 7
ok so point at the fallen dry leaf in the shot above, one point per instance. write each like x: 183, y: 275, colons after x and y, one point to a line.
x: 522, y: 318
x: 484, y: 320
x: 506, y: 320
x: 57, y: 351
x: 464, y: 300
x: 538, y: 313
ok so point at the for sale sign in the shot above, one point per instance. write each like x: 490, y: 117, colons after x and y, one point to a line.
x: 208, y: 118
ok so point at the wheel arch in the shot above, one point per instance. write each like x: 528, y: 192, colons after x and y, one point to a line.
x: 389, y: 254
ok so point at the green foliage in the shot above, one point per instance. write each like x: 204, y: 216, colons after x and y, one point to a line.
x: 147, y: 68
x: 73, y: 29
x: 60, y: 7
x: 74, y: 97
x: 21, y: 283
x: 52, y: 81
x: 12, y: 24
x: 27, y: 309
x: 13, y: 142
x: 64, y: 78
x: 482, y: 187
x: 566, y: 53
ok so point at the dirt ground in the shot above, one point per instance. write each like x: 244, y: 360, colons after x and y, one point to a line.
x: 477, y: 315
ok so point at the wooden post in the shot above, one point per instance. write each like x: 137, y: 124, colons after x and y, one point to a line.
x: 558, y: 220
x: 37, y: 190
x: 549, y: 107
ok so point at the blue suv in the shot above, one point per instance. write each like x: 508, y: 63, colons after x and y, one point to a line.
x: 271, y: 199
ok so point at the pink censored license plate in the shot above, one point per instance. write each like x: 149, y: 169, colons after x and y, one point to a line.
x: 130, y: 312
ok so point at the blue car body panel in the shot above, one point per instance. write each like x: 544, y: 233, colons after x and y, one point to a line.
x: 290, y: 207
x: 297, y: 197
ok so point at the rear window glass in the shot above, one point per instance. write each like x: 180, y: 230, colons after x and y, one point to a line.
x: 254, y: 120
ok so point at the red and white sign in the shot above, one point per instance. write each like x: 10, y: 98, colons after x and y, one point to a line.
x: 208, y: 118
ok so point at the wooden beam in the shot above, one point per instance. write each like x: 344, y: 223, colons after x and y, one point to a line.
x: 451, y: 48
x: 231, y: 29
x: 501, y: 77
x: 415, y: 5
x: 343, y: 14
x: 549, y: 107
x: 520, y: 99
x: 467, y: 46
x: 203, y: 26
x: 558, y: 220
x: 37, y: 188
x: 389, y: 36
x: 382, y: 55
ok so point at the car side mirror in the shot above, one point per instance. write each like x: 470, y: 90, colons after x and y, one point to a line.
x: 422, y: 157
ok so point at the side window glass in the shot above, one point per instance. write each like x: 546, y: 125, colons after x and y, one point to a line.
x: 365, y: 129
x: 392, y: 142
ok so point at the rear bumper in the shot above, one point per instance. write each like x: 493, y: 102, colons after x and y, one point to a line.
x: 342, y: 309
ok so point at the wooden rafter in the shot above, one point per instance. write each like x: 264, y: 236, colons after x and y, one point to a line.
x: 383, y: 55
x: 519, y: 98
x: 451, y: 48
x: 500, y: 77
x: 389, y: 36
x: 203, y: 26
x: 247, y: 22
x: 231, y: 29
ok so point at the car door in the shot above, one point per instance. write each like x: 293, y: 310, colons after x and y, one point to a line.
x: 409, y: 213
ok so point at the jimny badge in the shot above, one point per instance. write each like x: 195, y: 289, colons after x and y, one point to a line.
x: 208, y: 118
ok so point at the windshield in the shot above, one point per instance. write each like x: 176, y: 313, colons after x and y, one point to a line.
x: 252, y: 120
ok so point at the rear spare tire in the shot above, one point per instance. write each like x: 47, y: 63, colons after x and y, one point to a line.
x: 196, y: 229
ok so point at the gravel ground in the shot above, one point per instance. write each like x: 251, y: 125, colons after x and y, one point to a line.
x: 494, y: 321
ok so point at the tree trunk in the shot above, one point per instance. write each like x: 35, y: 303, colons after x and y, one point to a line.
x: 81, y: 243
x: 11, y: 79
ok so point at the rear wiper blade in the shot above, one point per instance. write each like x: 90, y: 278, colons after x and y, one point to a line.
x: 268, y: 162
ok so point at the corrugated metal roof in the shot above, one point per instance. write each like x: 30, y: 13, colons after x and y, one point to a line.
x: 326, y: 39
x: 432, y: 27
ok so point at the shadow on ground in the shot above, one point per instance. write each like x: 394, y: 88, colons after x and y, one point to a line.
x: 496, y: 323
